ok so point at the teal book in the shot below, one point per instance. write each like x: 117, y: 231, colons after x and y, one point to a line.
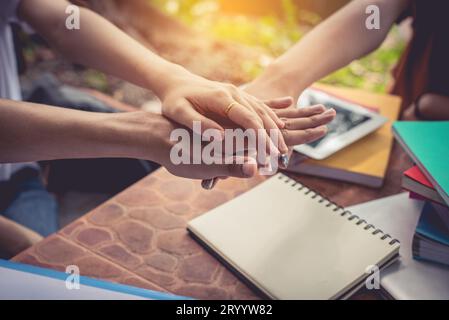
x: 427, y: 143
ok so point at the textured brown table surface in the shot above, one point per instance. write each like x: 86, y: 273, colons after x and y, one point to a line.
x: 139, y: 237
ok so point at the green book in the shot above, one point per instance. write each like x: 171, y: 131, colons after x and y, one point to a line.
x: 427, y: 143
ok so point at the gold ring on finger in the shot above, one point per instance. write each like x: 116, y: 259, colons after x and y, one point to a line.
x: 228, y: 108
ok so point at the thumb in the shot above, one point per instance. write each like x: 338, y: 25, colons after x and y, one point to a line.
x: 279, y: 103
x: 245, y: 170
x: 240, y: 167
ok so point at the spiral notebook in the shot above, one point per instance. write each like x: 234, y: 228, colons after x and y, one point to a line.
x: 289, y: 242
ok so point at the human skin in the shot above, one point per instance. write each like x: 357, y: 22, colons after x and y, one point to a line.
x: 34, y: 132
x: 185, y: 97
x: 331, y: 45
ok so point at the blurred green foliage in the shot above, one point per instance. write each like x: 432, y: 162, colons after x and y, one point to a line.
x: 274, y: 35
x: 96, y: 80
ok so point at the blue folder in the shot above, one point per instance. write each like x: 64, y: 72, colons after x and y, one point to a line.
x: 22, y: 281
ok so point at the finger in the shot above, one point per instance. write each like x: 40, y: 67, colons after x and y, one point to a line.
x: 310, y: 122
x: 244, y: 116
x: 271, y: 122
x: 256, y: 123
x: 270, y: 125
x: 272, y: 145
x: 294, y: 112
x: 279, y: 103
x: 265, y: 109
x: 294, y: 138
x: 185, y: 114
x: 240, y: 167
x: 281, y: 142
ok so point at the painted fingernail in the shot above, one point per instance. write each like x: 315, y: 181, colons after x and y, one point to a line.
x: 283, y: 159
x: 209, y: 184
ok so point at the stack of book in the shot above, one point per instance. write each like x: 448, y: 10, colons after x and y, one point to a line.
x: 427, y: 144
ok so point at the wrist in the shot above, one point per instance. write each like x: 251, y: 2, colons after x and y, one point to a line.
x: 278, y: 81
x: 169, y: 78
x: 140, y: 135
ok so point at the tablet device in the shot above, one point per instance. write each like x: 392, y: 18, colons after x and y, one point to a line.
x: 351, y: 123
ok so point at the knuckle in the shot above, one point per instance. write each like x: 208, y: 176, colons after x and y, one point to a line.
x: 221, y: 93
x: 314, y: 119
x: 285, y: 134
x: 295, y: 113
x: 178, y: 109
x: 308, y: 132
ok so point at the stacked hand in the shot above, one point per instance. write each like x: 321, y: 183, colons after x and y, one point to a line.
x: 208, y: 101
x: 214, y: 104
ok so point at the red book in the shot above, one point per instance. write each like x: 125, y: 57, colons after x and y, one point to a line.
x: 416, y: 182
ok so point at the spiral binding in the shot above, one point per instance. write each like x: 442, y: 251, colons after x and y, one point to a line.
x: 343, y: 213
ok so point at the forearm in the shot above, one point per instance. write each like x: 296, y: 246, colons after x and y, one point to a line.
x: 101, y: 45
x: 33, y: 132
x: 333, y: 44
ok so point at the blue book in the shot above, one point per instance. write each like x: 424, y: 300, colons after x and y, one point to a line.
x: 22, y: 281
x: 427, y: 143
x: 431, y: 239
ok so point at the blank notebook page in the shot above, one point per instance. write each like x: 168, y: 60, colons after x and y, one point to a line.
x: 291, y: 243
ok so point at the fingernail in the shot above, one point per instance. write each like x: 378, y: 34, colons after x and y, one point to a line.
x: 322, y: 129
x: 247, y: 169
x: 329, y: 111
x: 209, y: 184
x: 283, y: 159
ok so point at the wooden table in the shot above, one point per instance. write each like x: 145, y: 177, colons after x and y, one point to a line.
x: 139, y: 237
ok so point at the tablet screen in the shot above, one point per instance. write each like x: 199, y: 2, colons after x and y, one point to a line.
x: 344, y: 121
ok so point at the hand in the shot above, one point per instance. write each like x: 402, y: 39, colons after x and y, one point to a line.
x: 240, y: 166
x: 301, y: 125
x: 198, y: 99
x: 304, y: 125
